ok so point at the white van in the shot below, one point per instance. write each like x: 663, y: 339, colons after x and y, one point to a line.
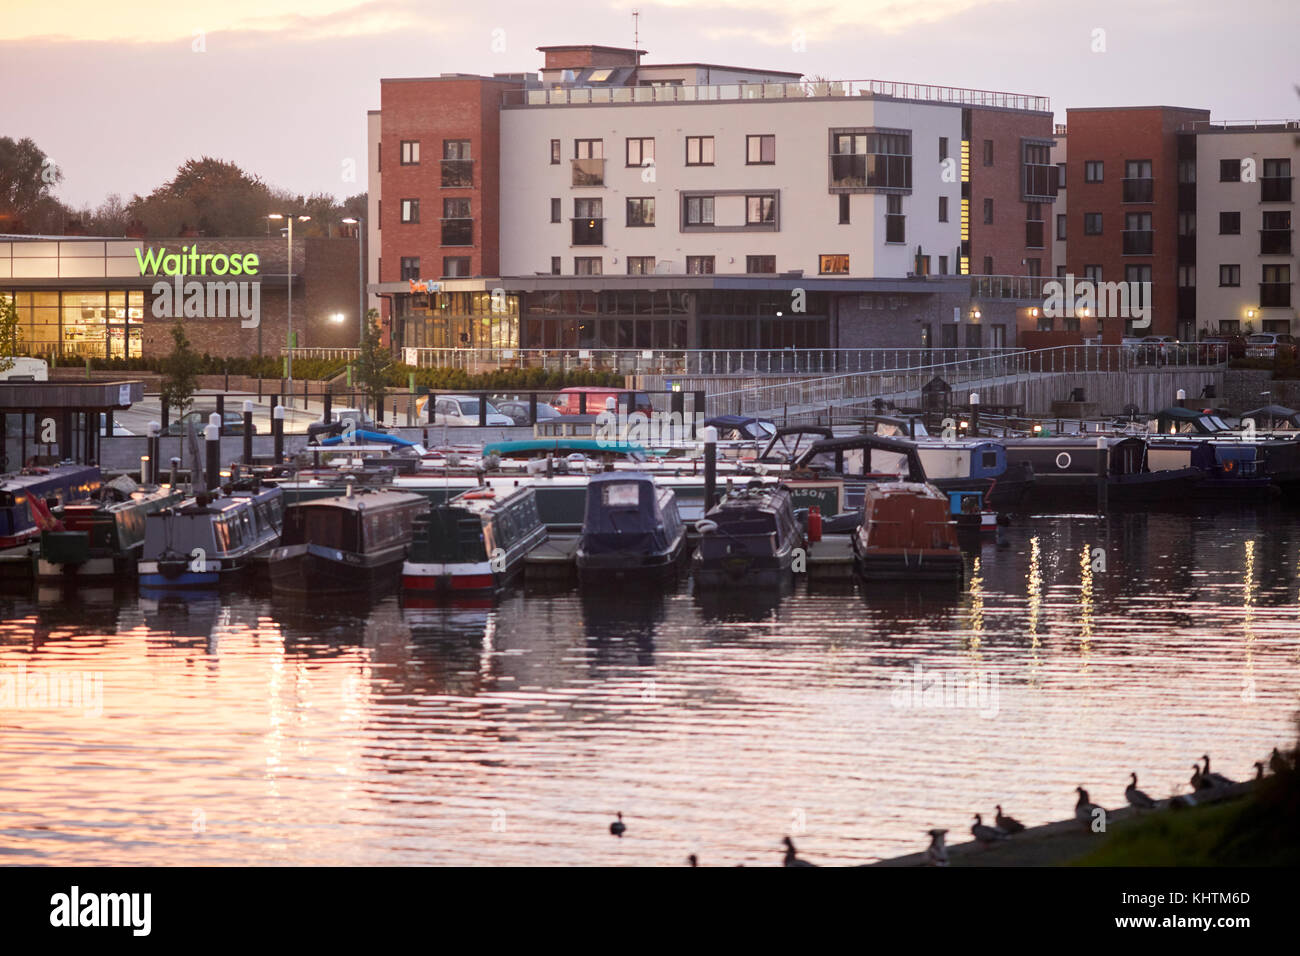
x: 26, y: 370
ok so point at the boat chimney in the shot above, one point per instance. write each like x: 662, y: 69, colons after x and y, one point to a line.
x: 349, y: 481
x: 710, y: 436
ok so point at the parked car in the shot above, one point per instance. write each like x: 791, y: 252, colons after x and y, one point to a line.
x: 569, y: 403
x: 1220, y: 348
x: 463, y: 410
x: 118, y: 430
x: 232, y: 422
x: 338, y: 416
x: 1271, y: 345
x: 1159, y: 350
x: 517, y: 411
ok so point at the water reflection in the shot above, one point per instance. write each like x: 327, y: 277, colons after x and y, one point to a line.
x: 329, y: 731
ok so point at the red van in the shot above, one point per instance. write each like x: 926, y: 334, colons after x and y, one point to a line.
x: 598, y: 396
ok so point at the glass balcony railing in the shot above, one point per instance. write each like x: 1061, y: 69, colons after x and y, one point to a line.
x: 1275, y: 242
x: 1138, y: 242
x: 589, y: 172
x: 588, y: 232
x: 1275, y: 295
x: 1275, y: 189
x: 1139, y: 190
x: 457, y: 172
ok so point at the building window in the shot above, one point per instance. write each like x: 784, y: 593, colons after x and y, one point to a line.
x: 1094, y: 171
x: 699, y: 211
x: 1060, y: 226
x: 988, y: 211
x: 1187, y: 172
x: 844, y: 209
x: 588, y: 224
x: 640, y: 265
x: 988, y: 152
x: 1187, y: 223
x: 1275, y: 184
x: 587, y: 266
x: 1034, y: 267
x: 760, y: 150
x: 1275, y: 290
x: 943, y: 265
x: 455, y: 266
x: 760, y: 263
x: 1229, y: 170
x: 1138, y: 239
x: 556, y: 212
x: 1060, y: 176
x: 1092, y: 224
x: 988, y: 265
x: 641, y: 211
x: 921, y: 266
x: 699, y: 265
x: 555, y: 265
x: 1138, y: 186
x: 410, y: 267
x: 410, y: 152
x: 457, y: 166
x: 1230, y: 224
x: 895, y: 221
x: 1187, y: 277
x: 588, y: 149
x: 699, y: 150
x: 1275, y: 237
x: 457, y: 226
x: 410, y: 210
x: 943, y: 208
x: 1060, y: 272
x: 943, y: 148
x: 871, y: 160
x: 1034, y: 225
x: 760, y: 210
x: 555, y: 152
x: 1038, y: 175
x: 640, y: 151
x: 1092, y: 273
x: 833, y: 264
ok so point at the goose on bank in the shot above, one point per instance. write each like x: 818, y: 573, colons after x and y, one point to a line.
x: 1199, y: 780
x: 1216, y: 779
x: 1085, y: 809
x: 1136, y: 797
x: 936, y: 853
x: 986, y: 834
x: 791, y: 855
x: 618, y: 827
x: 1277, y: 763
x: 1007, y: 824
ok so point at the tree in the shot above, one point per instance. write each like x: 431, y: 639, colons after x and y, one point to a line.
x: 26, y: 177
x: 180, y: 372
x: 9, y: 332
x: 373, y: 363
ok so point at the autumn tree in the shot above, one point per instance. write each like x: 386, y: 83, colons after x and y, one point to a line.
x: 180, y: 379
x: 373, y: 363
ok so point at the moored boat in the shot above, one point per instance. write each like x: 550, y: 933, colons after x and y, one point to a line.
x: 474, y: 544
x: 101, y: 538
x: 907, y: 533
x: 748, y: 539
x: 57, y: 484
x: 355, y: 542
x: 632, y: 526
x: 209, y: 539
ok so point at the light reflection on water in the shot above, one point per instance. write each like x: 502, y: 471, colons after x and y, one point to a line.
x: 254, y: 730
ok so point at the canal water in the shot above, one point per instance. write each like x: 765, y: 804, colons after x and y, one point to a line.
x: 253, y: 730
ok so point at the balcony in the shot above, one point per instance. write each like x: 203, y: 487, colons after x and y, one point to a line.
x: 1187, y: 249
x: 1034, y: 233
x: 1275, y: 242
x: 1274, y: 295
x: 1138, y: 242
x: 1007, y: 287
x: 457, y: 232
x: 1275, y: 189
x: 457, y: 172
x: 588, y: 172
x: 588, y: 232
x: 1138, y: 190
x: 1041, y: 182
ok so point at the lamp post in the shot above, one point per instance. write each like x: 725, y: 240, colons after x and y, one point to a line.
x: 289, y: 333
x: 360, y: 223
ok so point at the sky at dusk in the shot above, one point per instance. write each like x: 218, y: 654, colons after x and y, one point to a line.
x: 120, y: 94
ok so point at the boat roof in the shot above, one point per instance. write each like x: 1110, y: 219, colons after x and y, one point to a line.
x: 765, y: 496
x: 364, y: 499
x: 916, y: 470
x: 605, y: 477
x: 888, y: 488
x: 565, y: 445
x: 375, y: 438
x: 734, y: 421
x: 479, y: 500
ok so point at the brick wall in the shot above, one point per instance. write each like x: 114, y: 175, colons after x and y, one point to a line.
x: 1004, y: 240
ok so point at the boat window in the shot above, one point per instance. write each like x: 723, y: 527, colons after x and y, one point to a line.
x: 622, y: 494
x: 1218, y: 422
x: 989, y: 459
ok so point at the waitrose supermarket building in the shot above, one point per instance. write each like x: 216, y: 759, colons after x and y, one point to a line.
x: 117, y: 298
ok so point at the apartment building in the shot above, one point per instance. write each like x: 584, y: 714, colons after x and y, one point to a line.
x: 606, y: 202
x: 1245, y: 255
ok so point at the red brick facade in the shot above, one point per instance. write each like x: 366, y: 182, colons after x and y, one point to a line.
x: 1114, y: 136
x: 1005, y: 239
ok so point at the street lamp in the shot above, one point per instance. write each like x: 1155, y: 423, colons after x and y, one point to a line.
x: 289, y: 333
x: 360, y: 223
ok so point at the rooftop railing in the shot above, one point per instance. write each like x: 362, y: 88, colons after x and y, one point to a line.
x: 740, y: 91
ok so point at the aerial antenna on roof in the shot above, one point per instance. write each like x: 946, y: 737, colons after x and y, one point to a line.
x: 636, y: 36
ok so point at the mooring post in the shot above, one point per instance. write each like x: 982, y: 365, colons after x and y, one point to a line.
x: 710, y: 436
x: 1103, y: 475
x: 277, y: 432
x: 212, y: 432
x: 248, y: 433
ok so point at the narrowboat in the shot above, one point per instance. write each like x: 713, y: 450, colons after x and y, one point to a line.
x: 355, y: 542
x: 748, y: 539
x: 102, y: 538
x: 632, y: 526
x: 208, y: 539
x: 908, y: 534
x: 1067, y: 472
x: 60, y: 484
x: 474, y: 544
x: 969, y: 514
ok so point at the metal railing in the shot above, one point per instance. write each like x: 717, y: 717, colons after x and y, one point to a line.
x: 1007, y: 287
x: 805, y: 398
x: 761, y: 90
